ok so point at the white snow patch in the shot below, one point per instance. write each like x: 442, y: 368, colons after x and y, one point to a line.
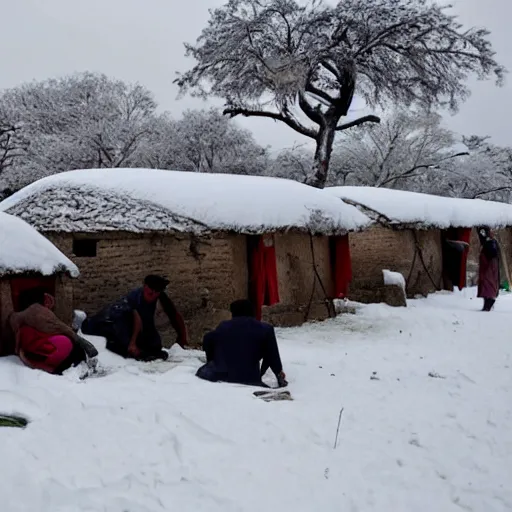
x: 147, y: 199
x: 402, y: 207
x: 23, y: 249
x: 393, y: 279
x: 153, y: 438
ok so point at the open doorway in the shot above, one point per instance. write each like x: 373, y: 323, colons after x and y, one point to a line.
x: 455, y: 247
x: 20, y: 284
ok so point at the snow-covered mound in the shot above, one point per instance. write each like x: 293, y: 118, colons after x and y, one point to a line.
x: 23, y: 249
x: 138, y: 200
x: 413, y: 208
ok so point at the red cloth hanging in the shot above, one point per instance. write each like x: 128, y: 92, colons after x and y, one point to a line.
x: 342, y: 266
x: 272, y: 284
x: 263, y: 282
x: 20, y: 284
x: 463, y: 235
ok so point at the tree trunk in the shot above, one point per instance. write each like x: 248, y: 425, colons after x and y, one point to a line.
x: 324, y: 143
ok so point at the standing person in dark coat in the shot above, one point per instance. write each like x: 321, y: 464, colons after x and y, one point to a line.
x: 236, y: 347
x: 489, y: 269
x: 129, y: 324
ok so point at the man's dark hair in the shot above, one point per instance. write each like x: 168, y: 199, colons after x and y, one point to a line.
x: 242, y: 307
x: 31, y: 296
x: 157, y: 283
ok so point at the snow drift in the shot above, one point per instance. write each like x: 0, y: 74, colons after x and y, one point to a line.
x: 23, y: 249
x: 413, y: 208
x: 138, y: 200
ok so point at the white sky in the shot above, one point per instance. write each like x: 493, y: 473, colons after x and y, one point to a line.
x: 141, y: 40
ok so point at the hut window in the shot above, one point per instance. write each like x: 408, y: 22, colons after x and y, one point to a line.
x: 263, y: 281
x: 85, y: 248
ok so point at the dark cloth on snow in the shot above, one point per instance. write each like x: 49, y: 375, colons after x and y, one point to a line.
x: 234, y: 351
x: 489, y: 270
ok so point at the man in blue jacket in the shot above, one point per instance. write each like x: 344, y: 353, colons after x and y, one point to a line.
x: 236, y: 347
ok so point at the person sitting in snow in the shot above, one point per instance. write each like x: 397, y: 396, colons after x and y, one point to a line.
x: 42, y: 340
x: 236, y: 347
x: 489, y: 269
x: 129, y: 324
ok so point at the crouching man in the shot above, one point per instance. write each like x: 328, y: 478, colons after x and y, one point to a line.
x: 236, y: 347
x: 129, y: 324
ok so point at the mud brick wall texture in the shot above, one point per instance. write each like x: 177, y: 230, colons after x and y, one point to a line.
x: 381, y: 248
x: 504, y: 237
x: 298, y: 283
x: 206, y: 274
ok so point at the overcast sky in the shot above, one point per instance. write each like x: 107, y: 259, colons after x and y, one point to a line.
x: 142, y: 40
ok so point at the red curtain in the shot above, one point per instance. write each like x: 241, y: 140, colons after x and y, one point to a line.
x: 20, y: 284
x: 342, y: 266
x: 463, y: 235
x: 263, y: 283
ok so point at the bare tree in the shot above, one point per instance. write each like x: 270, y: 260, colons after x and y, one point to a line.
x: 85, y: 120
x: 292, y: 163
x: 405, y: 145
x: 12, y: 142
x: 473, y: 177
x: 302, y: 64
x: 212, y: 143
x: 295, y: 163
x: 11, y: 145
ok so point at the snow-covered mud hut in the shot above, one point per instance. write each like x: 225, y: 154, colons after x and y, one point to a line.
x: 413, y: 235
x: 27, y: 260
x: 216, y: 237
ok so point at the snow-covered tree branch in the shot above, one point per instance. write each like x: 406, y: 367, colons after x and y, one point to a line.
x: 302, y: 63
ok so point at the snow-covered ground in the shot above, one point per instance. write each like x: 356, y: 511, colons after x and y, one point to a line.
x: 149, y: 438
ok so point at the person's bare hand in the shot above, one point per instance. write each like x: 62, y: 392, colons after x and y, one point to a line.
x: 133, y: 350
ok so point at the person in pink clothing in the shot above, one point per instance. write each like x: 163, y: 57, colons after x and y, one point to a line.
x: 43, y: 341
x: 489, y: 269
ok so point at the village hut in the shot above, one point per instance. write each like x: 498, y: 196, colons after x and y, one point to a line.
x: 216, y: 237
x: 27, y: 260
x: 413, y: 235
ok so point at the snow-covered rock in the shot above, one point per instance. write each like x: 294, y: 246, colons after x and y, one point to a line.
x: 23, y: 249
x: 425, y: 210
x: 394, y: 289
x: 393, y: 279
x: 139, y: 200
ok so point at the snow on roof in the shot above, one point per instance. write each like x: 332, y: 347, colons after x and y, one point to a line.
x: 23, y: 249
x: 138, y: 200
x: 413, y: 208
